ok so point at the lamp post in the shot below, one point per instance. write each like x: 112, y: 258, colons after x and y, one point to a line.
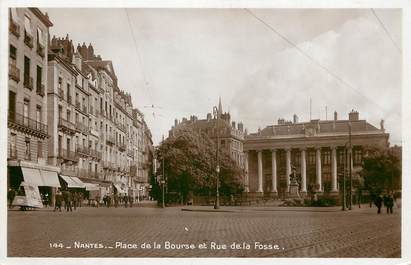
x: 350, y: 164
x: 217, y: 199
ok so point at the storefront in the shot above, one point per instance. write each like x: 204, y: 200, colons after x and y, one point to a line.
x: 35, y: 184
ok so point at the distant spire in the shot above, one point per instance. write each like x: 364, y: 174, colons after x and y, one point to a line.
x: 220, y: 108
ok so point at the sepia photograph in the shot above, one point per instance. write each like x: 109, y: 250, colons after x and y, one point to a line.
x: 204, y: 132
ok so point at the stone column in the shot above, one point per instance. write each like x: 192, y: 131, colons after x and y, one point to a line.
x: 288, y: 167
x: 260, y: 170
x: 274, y: 171
x: 246, y: 180
x: 303, y: 171
x: 318, y: 169
x: 334, y: 169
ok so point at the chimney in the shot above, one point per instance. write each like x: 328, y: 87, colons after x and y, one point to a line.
x: 77, y: 60
x: 175, y: 123
x: 335, y: 116
x: 240, y: 126
x: 281, y: 121
x: 353, y: 115
x: 233, y: 124
x: 295, y: 119
x: 208, y: 116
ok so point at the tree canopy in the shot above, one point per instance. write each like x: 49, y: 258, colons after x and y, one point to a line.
x: 190, y: 165
x: 381, y: 171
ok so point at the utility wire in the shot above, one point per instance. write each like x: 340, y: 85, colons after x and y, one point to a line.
x: 140, y: 61
x: 386, y: 30
x: 313, y: 60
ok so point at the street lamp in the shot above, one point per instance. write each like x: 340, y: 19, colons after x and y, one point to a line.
x: 216, y: 112
x: 348, y: 165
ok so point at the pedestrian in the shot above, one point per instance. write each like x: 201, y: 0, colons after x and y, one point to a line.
x: 69, y: 201
x: 59, y: 199
x: 108, y: 201
x: 97, y: 200
x: 74, y: 200
x: 115, y: 200
x: 130, y: 199
x: 10, y: 196
x: 390, y: 204
x: 125, y: 199
x: 378, y: 202
x: 65, y: 199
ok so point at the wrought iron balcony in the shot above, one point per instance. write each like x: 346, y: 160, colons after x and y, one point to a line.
x: 14, y: 72
x: 84, y: 109
x: 14, y: 28
x: 25, y: 124
x: 60, y: 93
x: 67, y: 155
x: 82, y: 128
x: 40, y: 50
x: 122, y: 147
x: 82, y: 150
x: 40, y: 89
x: 110, y: 139
x: 67, y: 126
x: 69, y: 99
x: 28, y: 39
x: 78, y: 107
x: 28, y: 82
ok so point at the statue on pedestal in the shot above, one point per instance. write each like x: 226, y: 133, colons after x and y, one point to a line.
x: 294, y: 186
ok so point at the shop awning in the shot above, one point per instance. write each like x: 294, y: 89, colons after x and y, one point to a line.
x: 50, y: 178
x: 32, y: 176
x: 121, y: 188
x: 91, y: 186
x: 73, y: 182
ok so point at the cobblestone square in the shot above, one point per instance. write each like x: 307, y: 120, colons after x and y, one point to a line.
x: 279, y: 231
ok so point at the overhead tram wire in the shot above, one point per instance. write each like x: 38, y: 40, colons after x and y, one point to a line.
x: 313, y: 60
x: 385, y: 29
x: 140, y: 61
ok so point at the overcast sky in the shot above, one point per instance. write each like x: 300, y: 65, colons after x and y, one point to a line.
x: 182, y: 60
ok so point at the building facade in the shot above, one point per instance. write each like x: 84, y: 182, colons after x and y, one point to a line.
x: 231, y: 136
x: 27, y: 149
x: 316, y: 149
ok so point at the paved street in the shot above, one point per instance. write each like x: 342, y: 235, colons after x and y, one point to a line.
x: 290, y: 232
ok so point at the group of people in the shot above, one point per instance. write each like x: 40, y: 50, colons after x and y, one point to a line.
x: 387, y: 200
x: 71, y: 199
x: 126, y: 200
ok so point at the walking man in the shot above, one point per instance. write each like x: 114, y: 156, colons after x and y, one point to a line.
x: 378, y: 203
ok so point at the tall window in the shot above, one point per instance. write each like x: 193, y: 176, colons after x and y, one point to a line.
x: 13, y: 144
x: 357, y: 159
x: 68, y: 145
x: 26, y: 105
x: 40, y: 37
x: 38, y: 79
x: 26, y: 71
x: 68, y: 93
x: 40, y: 149
x: 27, y: 155
x: 68, y: 115
x: 27, y: 25
x: 60, y: 83
x: 326, y: 157
x: 60, y: 140
x: 12, y: 53
x: 38, y: 116
x: 12, y: 104
x: 311, y: 158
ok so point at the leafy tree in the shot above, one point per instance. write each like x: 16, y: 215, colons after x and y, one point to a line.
x: 190, y: 165
x: 381, y: 171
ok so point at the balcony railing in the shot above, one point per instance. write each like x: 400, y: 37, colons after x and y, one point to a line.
x: 84, y: 109
x: 130, y: 153
x: 91, y: 110
x: 82, y: 127
x: 28, y: 39
x: 14, y: 72
x: 40, y: 89
x: 67, y: 155
x: 40, y: 50
x: 60, y: 93
x: 28, y: 82
x: 14, y: 28
x: 67, y: 126
x: 122, y: 147
x: 25, y: 123
x: 69, y: 99
x: 95, y: 154
x: 78, y: 105
x: 110, y: 139
x: 82, y: 150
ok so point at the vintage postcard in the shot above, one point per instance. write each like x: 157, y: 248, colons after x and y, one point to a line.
x: 205, y: 131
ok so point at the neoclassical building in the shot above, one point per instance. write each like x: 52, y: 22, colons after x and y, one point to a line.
x: 317, y: 149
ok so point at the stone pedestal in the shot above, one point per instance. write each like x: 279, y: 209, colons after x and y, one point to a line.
x: 294, y: 194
